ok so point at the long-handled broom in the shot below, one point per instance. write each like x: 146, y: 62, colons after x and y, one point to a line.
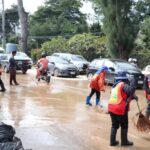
x: 142, y: 124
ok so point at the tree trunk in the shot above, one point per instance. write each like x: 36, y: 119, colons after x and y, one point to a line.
x: 23, y: 16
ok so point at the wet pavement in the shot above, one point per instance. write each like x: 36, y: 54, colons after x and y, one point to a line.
x: 54, y: 116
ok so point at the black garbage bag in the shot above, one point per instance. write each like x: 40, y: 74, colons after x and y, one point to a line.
x: 7, y: 139
x: 7, y: 132
x: 16, y: 144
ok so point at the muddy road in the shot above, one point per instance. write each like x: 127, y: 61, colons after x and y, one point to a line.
x: 55, y: 117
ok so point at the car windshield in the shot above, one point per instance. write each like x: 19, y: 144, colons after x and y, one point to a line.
x: 77, y: 58
x: 57, y: 60
x: 124, y: 65
x: 21, y: 54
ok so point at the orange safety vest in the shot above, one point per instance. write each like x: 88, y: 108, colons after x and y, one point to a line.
x: 117, y: 101
x: 98, y: 82
x: 148, y: 95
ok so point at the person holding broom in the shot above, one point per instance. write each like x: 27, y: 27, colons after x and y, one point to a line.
x: 97, y: 84
x: 146, y: 72
x: 121, y: 95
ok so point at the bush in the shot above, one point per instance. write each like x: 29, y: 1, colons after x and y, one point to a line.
x: 36, y: 54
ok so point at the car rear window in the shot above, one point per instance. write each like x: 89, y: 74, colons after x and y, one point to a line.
x: 77, y: 58
x: 57, y: 60
x: 125, y: 65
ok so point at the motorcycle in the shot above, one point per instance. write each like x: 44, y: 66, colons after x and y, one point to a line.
x: 45, y: 75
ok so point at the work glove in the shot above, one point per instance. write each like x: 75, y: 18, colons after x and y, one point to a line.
x: 135, y: 97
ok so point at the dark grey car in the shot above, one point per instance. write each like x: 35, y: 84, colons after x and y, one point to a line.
x: 79, y: 61
x: 61, y: 67
x: 115, y: 65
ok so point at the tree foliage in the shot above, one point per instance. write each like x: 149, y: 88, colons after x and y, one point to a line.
x: 142, y: 44
x: 11, y: 22
x: 121, y: 20
x: 88, y: 45
x: 57, y: 18
x: 58, y: 44
x: 118, y: 27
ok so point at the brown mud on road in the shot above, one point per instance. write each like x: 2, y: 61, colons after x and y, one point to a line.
x: 55, y: 117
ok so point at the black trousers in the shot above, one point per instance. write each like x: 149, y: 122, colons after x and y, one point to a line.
x: 119, y: 121
x: 2, y: 84
x: 95, y: 91
x: 12, y: 76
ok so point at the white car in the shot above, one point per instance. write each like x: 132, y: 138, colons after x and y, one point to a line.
x: 146, y: 70
x: 23, y: 62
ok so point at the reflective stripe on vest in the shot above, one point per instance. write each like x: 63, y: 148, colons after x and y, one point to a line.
x: 148, y: 95
x: 116, y: 94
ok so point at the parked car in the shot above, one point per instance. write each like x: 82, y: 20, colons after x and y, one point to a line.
x: 115, y: 65
x: 79, y: 61
x: 146, y: 70
x: 60, y: 67
x: 23, y: 62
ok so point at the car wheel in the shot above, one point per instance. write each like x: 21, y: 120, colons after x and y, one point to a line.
x: 24, y: 71
x: 90, y: 75
x: 74, y: 76
x: 6, y: 69
x: 56, y: 72
x: 48, y: 79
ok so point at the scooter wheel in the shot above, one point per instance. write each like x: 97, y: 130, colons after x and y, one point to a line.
x: 48, y: 79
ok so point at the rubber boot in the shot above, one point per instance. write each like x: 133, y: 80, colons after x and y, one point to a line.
x: 88, y: 101
x: 97, y: 101
x: 124, y: 138
x: 113, y: 141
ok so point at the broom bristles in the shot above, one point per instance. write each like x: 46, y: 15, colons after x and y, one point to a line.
x: 142, y: 124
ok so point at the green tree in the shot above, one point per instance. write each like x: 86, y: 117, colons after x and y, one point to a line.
x: 118, y: 27
x: 58, y: 18
x: 142, y: 44
x: 11, y: 22
x: 121, y: 22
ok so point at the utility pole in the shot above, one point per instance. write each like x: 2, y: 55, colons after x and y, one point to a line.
x: 3, y: 25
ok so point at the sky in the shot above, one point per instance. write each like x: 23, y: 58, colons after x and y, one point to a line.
x: 32, y: 5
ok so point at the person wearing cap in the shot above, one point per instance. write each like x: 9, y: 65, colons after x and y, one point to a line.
x: 97, y: 84
x: 42, y: 65
x: 12, y: 69
x: 146, y: 72
x: 121, y: 95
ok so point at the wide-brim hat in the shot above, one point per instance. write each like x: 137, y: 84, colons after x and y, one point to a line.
x: 146, y: 71
x: 121, y: 76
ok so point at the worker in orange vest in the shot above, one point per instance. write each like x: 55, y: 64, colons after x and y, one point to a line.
x: 146, y: 72
x: 121, y: 95
x: 97, y: 84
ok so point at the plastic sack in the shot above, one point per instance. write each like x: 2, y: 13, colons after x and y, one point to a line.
x: 16, y: 144
x: 10, y: 47
x: 7, y: 139
x: 7, y: 132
